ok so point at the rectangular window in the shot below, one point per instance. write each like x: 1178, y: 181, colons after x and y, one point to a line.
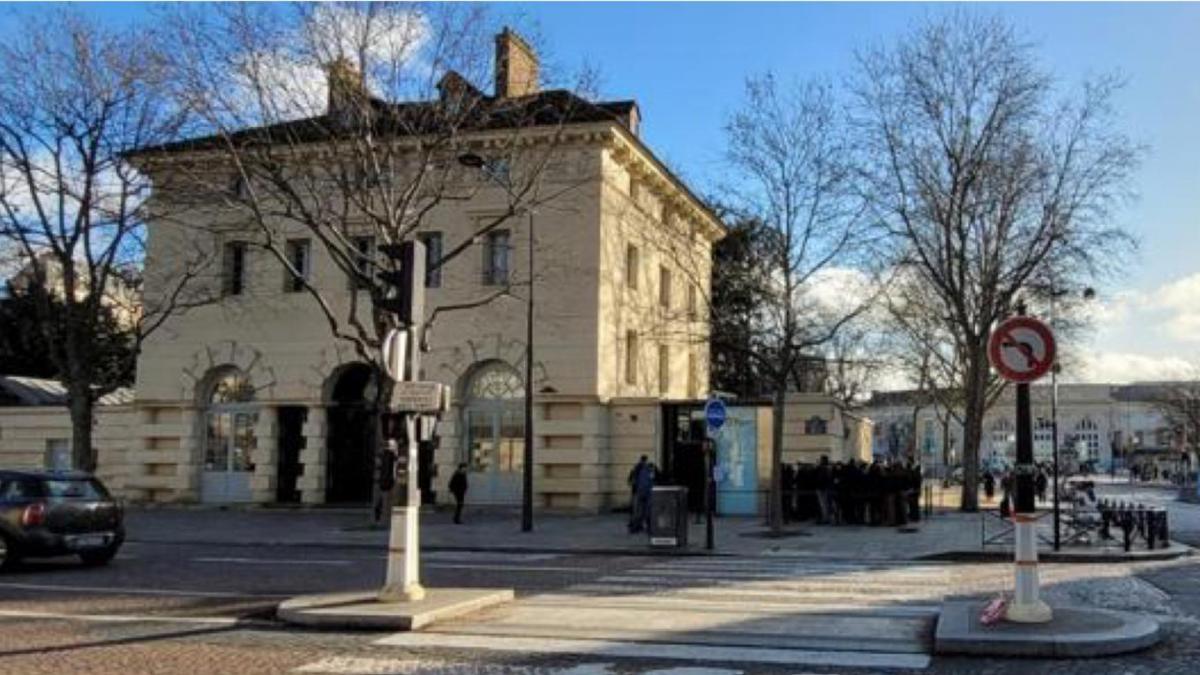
x: 664, y: 369
x: 495, y: 258
x: 433, y: 255
x: 235, y: 268
x: 364, y: 262
x: 58, y: 454
x: 692, y: 309
x: 631, y: 356
x: 691, y: 376
x: 664, y: 287
x: 631, y: 266
x: 298, y: 256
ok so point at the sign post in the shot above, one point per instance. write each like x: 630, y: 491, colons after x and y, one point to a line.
x: 1022, y: 349
x: 714, y: 414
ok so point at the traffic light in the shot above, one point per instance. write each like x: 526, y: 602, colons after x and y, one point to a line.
x: 404, y: 282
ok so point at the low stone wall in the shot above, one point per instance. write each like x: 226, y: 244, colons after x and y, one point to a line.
x: 28, y: 432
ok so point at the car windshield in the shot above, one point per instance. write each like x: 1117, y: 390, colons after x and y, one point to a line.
x: 81, y: 489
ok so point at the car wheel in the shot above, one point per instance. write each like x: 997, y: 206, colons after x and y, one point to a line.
x: 9, y: 556
x: 98, y: 557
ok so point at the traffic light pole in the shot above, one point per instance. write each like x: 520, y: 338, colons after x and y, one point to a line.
x: 402, y: 362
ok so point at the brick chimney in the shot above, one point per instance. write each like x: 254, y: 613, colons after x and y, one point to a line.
x: 347, y: 86
x: 516, y: 66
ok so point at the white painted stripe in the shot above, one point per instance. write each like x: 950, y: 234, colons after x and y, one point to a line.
x: 510, y: 568
x: 794, y: 584
x: 856, y: 577
x: 648, y: 650
x: 782, y: 595
x: 356, y: 665
x: 668, y: 603
x: 120, y: 618
x: 467, y: 556
x: 270, y: 561
x: 140, y: 591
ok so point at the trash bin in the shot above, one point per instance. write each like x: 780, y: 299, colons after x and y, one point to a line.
x: 668, y: 516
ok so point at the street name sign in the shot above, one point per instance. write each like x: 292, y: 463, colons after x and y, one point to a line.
x: 1022, y: 349
x: 419, y: 397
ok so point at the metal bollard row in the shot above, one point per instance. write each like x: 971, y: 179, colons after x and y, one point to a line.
x: 1136, y: 521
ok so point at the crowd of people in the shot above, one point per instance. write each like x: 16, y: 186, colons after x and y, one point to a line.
x: 992, y: 479
x: 852, y: 493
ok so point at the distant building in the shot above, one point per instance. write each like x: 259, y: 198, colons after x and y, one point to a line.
x: 1104, y: 425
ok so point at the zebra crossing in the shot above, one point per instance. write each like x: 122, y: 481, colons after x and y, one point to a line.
x: 721, y: 610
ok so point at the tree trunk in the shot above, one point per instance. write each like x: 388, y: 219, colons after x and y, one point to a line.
x: 974, y: 407
x: 82, y: 408
x: 775, y: 507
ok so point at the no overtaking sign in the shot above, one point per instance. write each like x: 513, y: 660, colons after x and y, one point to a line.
x: 1022, y: 349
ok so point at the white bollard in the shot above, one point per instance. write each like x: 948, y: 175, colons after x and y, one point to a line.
x: 1026, y: 606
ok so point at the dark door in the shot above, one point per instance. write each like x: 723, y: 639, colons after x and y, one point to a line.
x: 425, y: 469
x: 351, y: 454
x: 291, y: 440
x: 683, y: 449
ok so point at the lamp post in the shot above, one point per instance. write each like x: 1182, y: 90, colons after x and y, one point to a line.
x: 1088, y: 294
x: 475, y: 161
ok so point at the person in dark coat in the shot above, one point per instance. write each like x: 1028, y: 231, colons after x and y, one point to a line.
x: 458, y: 488
x: 989, y: 485
x: 632, y: 480
x: 1040, y: 484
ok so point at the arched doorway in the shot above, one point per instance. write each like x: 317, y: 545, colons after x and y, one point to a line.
x: 230, y: 417
x: 494, y: 421
x: 351, y: 435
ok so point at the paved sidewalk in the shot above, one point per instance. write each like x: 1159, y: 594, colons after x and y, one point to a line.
x: 945, y: 535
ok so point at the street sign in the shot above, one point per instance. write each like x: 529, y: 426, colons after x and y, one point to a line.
x: 714, y: 413
x: 395, y: 352
x: 419, y: 397
x: 1022, y: 349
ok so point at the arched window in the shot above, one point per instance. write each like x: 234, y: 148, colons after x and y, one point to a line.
x: 1085, y: 440
x: 495, y: 421
x: 816, y: 425
x: 230, y: 416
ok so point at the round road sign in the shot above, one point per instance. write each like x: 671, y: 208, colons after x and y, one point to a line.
x: 1022, y: 349
x: 714, y: 413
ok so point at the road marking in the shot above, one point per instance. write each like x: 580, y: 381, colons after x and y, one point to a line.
x: 354, y: 665
x: 647, y: 650
x: 511, y: 568
x: 140, y: 591
x: 271, y: 561
x: 120, y: 618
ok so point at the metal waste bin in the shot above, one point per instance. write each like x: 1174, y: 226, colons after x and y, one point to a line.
x: 669, y: 516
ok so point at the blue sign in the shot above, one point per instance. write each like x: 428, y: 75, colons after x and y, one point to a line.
x: 714, y: 413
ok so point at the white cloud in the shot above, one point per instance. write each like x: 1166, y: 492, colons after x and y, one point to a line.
x: 1181, y: 300
x: 1124, y: 367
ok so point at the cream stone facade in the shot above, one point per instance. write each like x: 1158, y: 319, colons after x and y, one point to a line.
x: 242, y: 400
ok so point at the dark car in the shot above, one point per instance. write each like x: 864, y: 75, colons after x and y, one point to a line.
x: 53, y: 513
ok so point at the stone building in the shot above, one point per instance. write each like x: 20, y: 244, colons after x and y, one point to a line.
x: 1104, y: 425
x: 251, y: 400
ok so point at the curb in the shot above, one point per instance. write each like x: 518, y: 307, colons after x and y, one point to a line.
x: 360, y: 610
x: 1075, y: 632
x: 1174, y: 552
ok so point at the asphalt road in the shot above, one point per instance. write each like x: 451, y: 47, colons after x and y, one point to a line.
x: 177, y: 608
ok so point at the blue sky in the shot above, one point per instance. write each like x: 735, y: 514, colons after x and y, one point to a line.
x: 685, y: 63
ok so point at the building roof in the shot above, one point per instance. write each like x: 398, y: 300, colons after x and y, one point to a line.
x: 398, y: 120
x: 16, y: 390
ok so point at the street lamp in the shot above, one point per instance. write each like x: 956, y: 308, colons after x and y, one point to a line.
x: 1088, y: 294
x: 474, y: 161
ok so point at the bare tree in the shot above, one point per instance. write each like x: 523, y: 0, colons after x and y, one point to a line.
x: 75, y: 97
x: 1179, y: 404
x: 794, y: 179
x: 985, y: 183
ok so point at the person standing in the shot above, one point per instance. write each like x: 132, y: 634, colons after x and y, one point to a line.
x: 1040, y: 483
x: 643, y: 489
x: 632, y: 480
x: 458, y: 488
